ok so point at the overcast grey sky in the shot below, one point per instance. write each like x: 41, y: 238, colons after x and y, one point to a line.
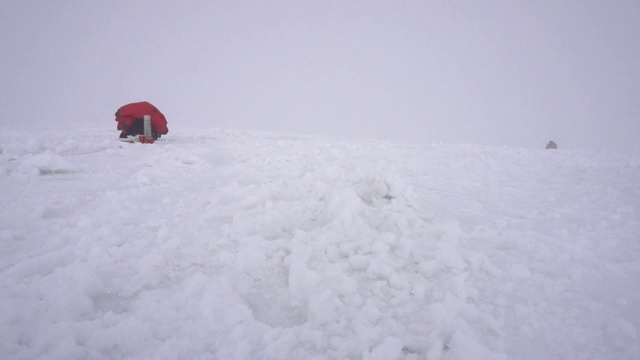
x: 515, y: 73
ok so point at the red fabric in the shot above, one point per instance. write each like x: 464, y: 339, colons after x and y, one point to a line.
x: 128, y: 114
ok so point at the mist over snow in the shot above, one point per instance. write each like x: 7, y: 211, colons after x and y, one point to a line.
x: 497, y: 73
x: 228, y: 244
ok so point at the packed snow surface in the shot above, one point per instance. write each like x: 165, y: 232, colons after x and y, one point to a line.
x: 222, y: 244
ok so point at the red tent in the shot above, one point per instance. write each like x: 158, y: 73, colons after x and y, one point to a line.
x: 130, y: 119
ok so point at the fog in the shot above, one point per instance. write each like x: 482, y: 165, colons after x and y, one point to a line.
x: 514, y: 73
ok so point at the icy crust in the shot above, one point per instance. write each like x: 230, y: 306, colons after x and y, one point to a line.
x: 243, y: 245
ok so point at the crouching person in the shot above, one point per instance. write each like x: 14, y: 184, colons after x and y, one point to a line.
x: 130, y: 120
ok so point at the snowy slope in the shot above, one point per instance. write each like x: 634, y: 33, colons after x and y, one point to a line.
x: 242, y: 245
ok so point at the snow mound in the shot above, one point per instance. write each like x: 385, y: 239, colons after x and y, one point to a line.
x: 45, y: 164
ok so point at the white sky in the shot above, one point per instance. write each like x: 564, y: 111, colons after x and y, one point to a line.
x: 515, y: 73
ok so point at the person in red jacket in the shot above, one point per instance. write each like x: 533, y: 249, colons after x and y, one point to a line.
x: 130, y: 120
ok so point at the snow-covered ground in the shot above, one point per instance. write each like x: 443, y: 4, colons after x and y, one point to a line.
x: 225, y: 244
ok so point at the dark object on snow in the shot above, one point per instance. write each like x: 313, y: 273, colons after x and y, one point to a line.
x: 551, y: 145
x: 130, y: 120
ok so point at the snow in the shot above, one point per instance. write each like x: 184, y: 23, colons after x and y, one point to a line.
x: 220, y: 244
